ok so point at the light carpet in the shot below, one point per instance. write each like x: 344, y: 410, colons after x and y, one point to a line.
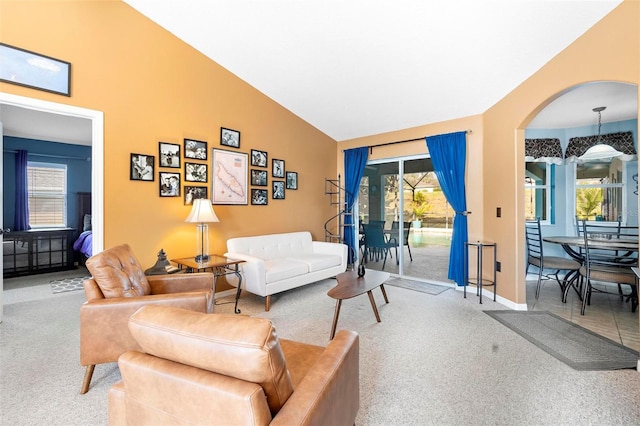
x: 431, y: 361
x: 576, y: 346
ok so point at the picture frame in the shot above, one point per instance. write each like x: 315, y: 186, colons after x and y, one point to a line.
x: 229, y: 137
x: 169, y: 184
x: 259, y: 177
x: 259, y: 158
x: 142, y: 167
x: 34, y: 70
x: 278, y: 190
x: 194, y: 149
x: 292, y: 180
x: 229, y: 177
x: 259, y: 197
x: 277, y: 168
x: 196, y: 172
x: 169, y: 154
x: 193, y: 193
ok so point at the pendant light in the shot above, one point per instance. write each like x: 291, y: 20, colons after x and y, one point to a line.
x: 600, y: 151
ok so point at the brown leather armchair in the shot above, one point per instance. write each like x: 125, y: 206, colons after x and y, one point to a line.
x: 117, y: 289
x: 225, y: 369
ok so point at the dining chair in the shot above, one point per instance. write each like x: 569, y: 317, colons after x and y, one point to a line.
x: 606, y: 265
x: 376, y: 243
x: 405, y: 234
x: 536, y: 257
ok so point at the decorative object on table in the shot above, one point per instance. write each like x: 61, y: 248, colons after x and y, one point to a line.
x: 229, y: 137
x: 169, y: 184
x: 258, y: 158
x: 169, y: 154
x: 162, y: 266
x: 278, y: 190
x: 202, y: 213
x: 195, y: 172
x: 229, y: 177
x: 292, y: 180
x: 29, y: 69
x: 195, y: 149
x: 259, y: 197
x: 142, y: 167
x: 277, y: 168
x: 361, y: 270
x: 258, y: 177
x: 193, y: 193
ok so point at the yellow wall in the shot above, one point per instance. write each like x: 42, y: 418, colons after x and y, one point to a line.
x: 153, y: 87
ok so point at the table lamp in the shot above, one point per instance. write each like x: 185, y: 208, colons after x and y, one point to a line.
x: 202, y: 213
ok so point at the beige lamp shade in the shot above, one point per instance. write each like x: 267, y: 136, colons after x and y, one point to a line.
x: 202, y: 212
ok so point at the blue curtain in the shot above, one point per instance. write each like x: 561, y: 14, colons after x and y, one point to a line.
x: 354, y: 162
x: 448, y: 155
x: 21, y: 219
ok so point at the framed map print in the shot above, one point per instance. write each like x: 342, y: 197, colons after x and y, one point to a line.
x: 229, y: 177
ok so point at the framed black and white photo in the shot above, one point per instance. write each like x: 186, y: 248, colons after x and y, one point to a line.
x: 169, y: 155
x: 258, y: 158
x: 229, y: 137
x: 259, y: 197
x: 30, y: 69
x: 169, y: 184
x: 278, y: 190
x: 195, y: 149
x: 193, y: 193
x: 195, y: 172
x: 229, y: 177
x: 142, y: 167
x: 277, y: 168
x: 258, y: 177
x: 292, y: 180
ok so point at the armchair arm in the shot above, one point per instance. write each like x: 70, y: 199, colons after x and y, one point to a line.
x: 180, y: 283
x: 104, y: 330
x: 254, y: 273
x: 330, y: 392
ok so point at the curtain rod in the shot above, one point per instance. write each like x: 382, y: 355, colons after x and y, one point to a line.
x: 13, y: 151
x: 406, y: 140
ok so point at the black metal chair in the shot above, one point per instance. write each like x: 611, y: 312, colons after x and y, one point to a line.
x: 405, y: 234
x: 536, y: 257
x: 606, y: 266
x: 375, y: 243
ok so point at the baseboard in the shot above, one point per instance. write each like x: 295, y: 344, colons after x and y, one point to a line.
x: 487, y: 294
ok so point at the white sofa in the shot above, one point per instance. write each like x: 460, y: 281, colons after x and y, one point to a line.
x: 279, y: 262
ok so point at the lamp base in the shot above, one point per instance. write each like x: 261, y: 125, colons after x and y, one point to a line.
x: 201, y: 258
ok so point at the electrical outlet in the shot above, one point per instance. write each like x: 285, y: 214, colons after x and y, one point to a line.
x: 498, y: 266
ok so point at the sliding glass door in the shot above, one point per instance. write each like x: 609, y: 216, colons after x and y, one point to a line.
x: 404, y: 219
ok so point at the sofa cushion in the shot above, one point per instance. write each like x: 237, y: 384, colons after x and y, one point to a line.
x: 317, y: 262
x: 282, y: 269
x: 242, y: 347
x: 118, y: 273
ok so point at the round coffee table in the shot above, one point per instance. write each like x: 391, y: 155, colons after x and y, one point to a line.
x: 351, y: 285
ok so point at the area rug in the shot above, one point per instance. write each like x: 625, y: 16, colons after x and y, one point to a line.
x: 67, y: 284
x: 420, y: 286
x: 579, y: 348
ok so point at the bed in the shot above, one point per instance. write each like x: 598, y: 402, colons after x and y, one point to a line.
x: 83, y: 243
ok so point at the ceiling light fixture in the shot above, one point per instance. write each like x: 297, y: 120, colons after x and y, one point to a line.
x: 600, y: 151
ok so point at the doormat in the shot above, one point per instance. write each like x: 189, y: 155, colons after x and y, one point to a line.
x: 67, y: 284
x: 579, y: 348
x: 420, y: 286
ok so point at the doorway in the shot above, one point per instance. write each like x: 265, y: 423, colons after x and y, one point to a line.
x: 97, y: 165
x: 402, y: 199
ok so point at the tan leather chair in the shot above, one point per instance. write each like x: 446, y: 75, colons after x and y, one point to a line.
x: 117, y: 289
x: 222, y: 369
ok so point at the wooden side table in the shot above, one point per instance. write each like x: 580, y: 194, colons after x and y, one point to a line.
x: 220, y: 266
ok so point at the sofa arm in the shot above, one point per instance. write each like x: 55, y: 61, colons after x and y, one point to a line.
x: 104, y: 324
x: 330, y: 392
x: 337, y: 249
x: 253, y: 271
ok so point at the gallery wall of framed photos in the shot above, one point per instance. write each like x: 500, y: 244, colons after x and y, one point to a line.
x: 224, y: 179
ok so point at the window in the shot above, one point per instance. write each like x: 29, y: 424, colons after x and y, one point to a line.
x: 47, y: 186
x: 599, y: 190
x: 538, y: 190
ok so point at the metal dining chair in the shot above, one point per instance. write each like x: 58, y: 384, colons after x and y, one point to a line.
x: 406, y: 227
x: 606, y: 266
x: 536, y: 257
x: 376, y: 243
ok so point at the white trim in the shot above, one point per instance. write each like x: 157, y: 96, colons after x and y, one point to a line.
x: 488, y: 295
x: 97, y: 152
